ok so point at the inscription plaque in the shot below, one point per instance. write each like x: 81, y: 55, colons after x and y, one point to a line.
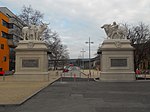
x: 118, y: 62
x: 30, y: 63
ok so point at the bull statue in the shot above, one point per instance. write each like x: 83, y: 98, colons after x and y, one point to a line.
x: 115, y: 31
x: 33, y: 32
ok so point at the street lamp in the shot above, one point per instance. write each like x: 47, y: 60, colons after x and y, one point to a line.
x: 83, y: 51
x: 89, y: 42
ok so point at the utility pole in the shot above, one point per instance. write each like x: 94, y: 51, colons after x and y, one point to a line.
x: 89, y: 42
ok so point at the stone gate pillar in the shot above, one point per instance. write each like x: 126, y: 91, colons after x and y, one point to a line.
x: 31, y: 61
x: 117, y: 61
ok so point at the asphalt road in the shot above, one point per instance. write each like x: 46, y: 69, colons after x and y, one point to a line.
x: 88, y: 96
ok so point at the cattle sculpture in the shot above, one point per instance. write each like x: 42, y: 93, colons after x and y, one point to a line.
x: 33, y: 32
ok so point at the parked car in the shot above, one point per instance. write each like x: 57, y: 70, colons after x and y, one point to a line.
x: 70, y: 68
x: 65, y: 70
x: 2, y: 72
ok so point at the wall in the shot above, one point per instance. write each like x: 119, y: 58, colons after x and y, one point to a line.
x: 4, y: 53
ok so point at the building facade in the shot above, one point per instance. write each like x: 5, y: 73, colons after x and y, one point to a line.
x: 10, y: 34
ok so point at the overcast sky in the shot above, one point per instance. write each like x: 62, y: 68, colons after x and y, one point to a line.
x: 77, y: 20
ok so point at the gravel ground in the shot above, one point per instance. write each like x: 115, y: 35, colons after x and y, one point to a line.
x: 12, y: 92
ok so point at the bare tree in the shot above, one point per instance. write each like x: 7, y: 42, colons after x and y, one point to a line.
x: 140, y: 39
x: 30, y: 16
x: 59, y: 53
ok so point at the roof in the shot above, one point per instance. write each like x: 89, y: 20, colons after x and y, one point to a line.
x: 6, y: 11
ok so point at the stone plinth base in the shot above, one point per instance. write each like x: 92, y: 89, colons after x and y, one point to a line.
x: 31, y: 61
x: 117, y: 76
x: 117, y: 60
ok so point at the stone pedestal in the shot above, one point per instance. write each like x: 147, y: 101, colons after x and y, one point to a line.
x: 31, y: 61
x: 117, y: 63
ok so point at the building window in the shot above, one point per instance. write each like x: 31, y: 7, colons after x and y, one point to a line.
x: 2, y: 46
x: 4, y: 59
x: 4, y: 23
x: 11, y: 25
x: 10, y: 36
x: 6, y: 35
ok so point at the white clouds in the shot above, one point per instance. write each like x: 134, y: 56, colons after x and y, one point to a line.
x: 77, y: 20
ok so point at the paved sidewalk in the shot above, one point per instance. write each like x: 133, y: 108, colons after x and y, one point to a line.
x: 15, y: 93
